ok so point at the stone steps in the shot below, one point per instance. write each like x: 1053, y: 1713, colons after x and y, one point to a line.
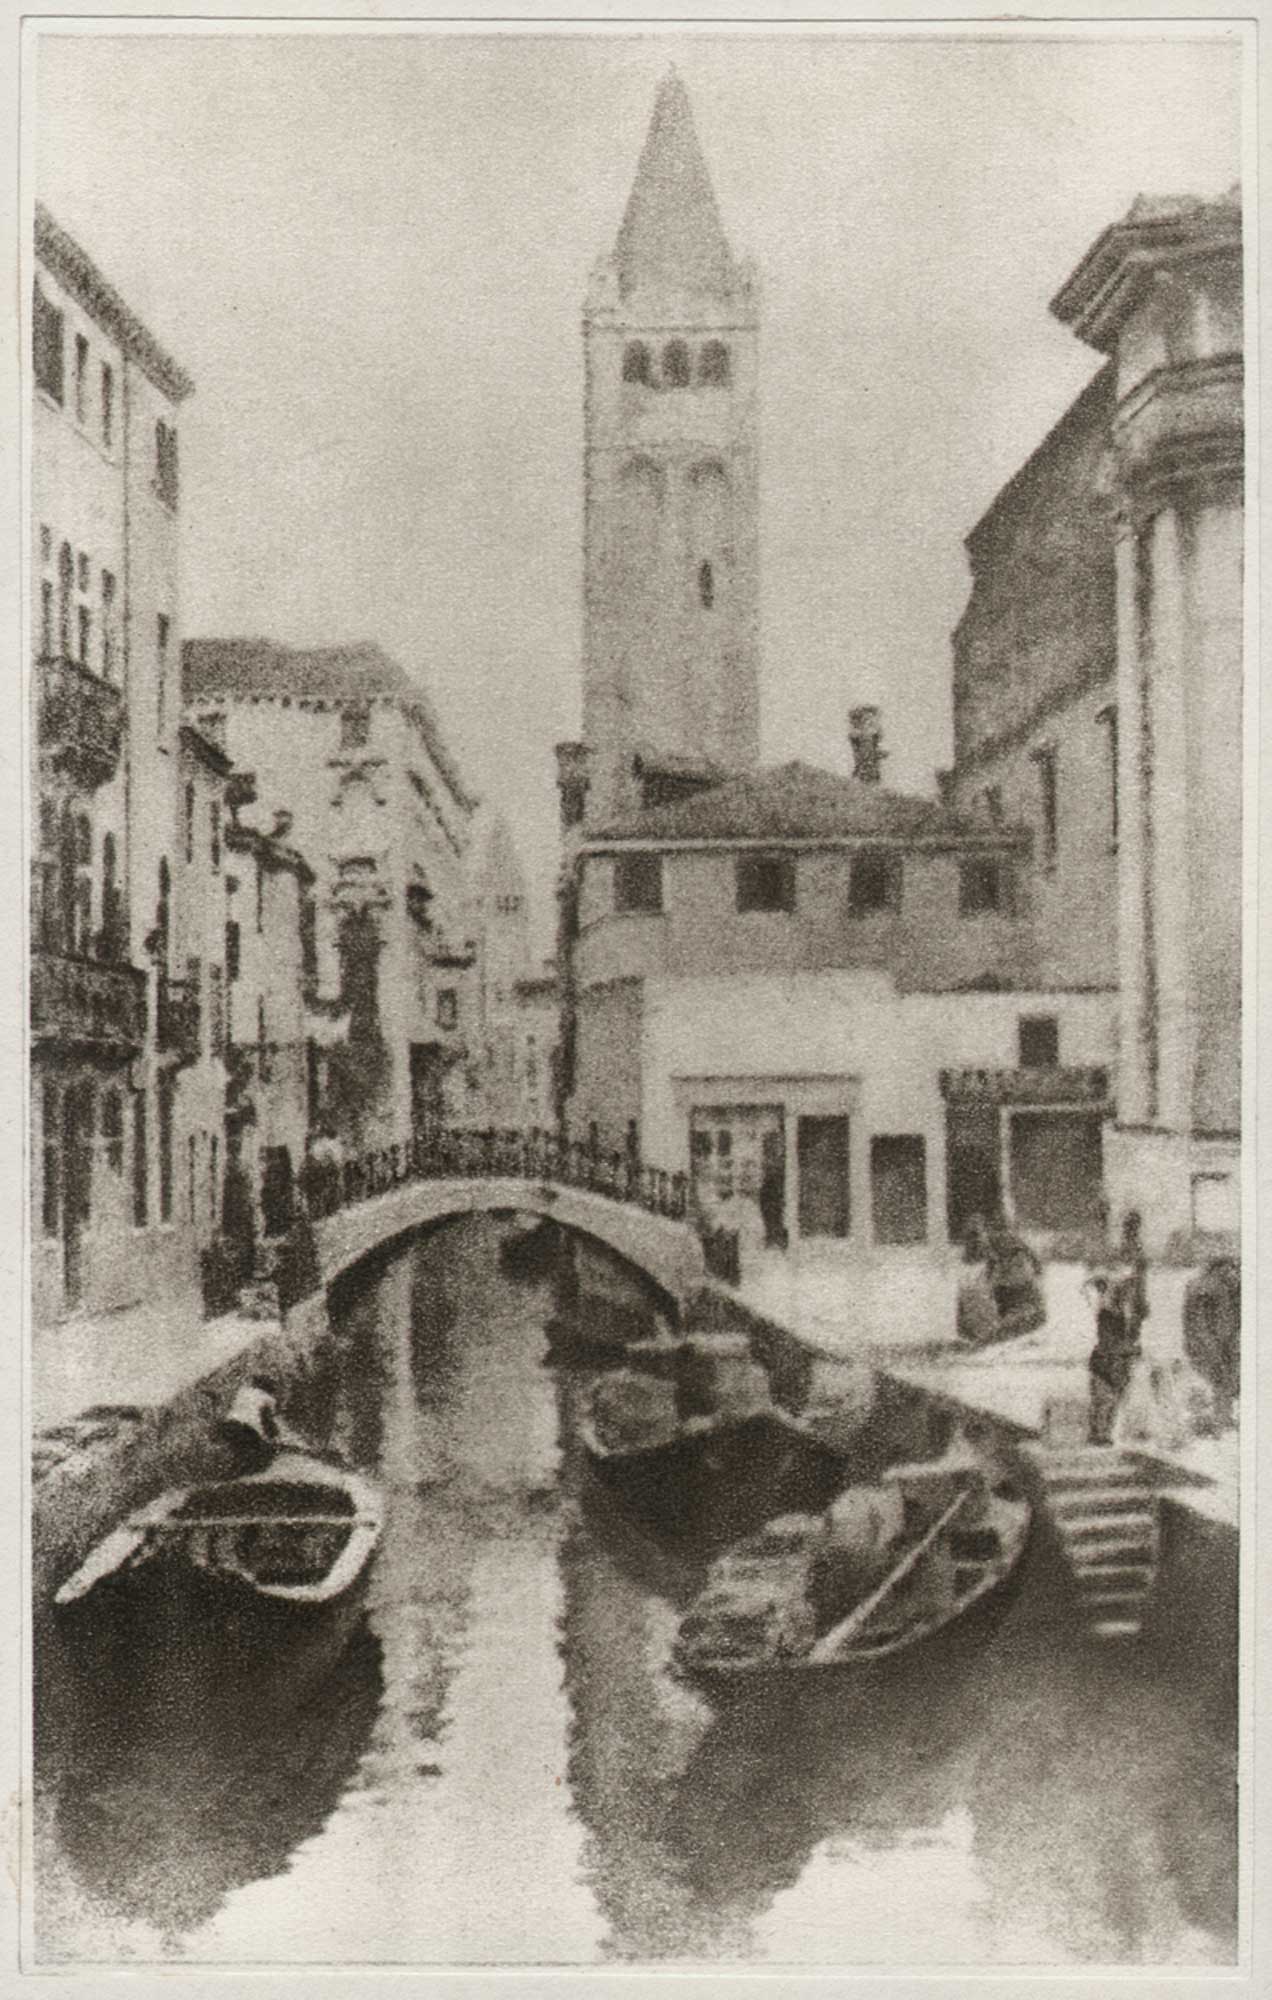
x: 1105, y: 1515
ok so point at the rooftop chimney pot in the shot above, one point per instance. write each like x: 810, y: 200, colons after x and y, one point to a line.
x: 865, y: 733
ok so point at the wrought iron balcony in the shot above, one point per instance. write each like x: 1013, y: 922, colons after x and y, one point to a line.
x: 81, y: 1003
x: 81, y: 721
x: 1081, y: 1085
x: 180, y: 1019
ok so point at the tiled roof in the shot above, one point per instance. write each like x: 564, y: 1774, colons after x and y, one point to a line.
x: 796, y: 802
x: 239, y: 668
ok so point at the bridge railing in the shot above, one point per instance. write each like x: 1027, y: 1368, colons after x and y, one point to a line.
x: 461, y: 1153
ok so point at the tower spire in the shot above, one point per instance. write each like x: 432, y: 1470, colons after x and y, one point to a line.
x: 671, y: 236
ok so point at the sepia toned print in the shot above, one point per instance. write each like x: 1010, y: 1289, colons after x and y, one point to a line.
x: 635, y: 1000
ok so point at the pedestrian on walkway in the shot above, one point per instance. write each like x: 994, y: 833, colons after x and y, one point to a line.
x: 1013, y: 1270
x: 1114, y: 1355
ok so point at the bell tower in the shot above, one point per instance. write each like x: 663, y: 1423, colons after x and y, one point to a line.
x: 671, y: 555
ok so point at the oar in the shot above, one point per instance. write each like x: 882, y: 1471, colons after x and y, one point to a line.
x: 826, y: 1647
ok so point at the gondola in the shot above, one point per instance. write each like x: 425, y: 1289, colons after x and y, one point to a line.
x: 930, y: 1546
x: 261, y: 1554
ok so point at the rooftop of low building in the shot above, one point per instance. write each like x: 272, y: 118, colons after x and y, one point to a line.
x: 797, y: 802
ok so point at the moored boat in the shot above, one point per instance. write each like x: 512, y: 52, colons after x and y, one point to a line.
x: 277, y: 1548
x: 886, y: 1568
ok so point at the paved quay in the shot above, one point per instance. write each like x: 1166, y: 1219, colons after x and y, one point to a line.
x: 898, y: 1311
x: 144, y: 1356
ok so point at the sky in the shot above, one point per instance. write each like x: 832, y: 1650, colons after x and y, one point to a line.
x: 370, y: 252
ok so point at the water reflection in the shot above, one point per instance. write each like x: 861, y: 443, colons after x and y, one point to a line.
x: 501, y: 1768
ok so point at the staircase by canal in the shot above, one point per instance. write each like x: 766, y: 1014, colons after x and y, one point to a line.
x: 1105, y: 1513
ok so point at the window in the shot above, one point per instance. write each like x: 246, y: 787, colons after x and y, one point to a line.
x: 113, y: 1130
x: 81, y: 377
x: 216, y: 1010
x: 713, y: 364
x: 51, y: 1189
x: 85, y: 622
x: 636, y: 362
x: 638, y: 884
x: 898, y: 1187
x: 874, y: 884
x: 355, y: 728
x: 1045, y: 759
x: 191, y: 1157
x: 65, y: 592
x: 166, y: 477
x: 163, y: 914
x: 983, y: 887
x: 46, y: 544
x: 260, y: 897
x: 308, y: 939
x: 214, y: 1177
x: 1108, y: 716
x: 83, y: 570
x: 140, y: 1164
x: 163, y: 632
x: 1039, y: 1041
x: 108, y: 405
x: 108, y: 625
x: 214, y: 834
x: 765, y: 882
x: 165, y: 1149
x: 233, y: 946
x: 46, y: 618
x: 706, y: 585
x: 112, y: 938
x: 447, y: 1007
x: 675, y: 365
x: 189, y: 824
x: 47, y: 333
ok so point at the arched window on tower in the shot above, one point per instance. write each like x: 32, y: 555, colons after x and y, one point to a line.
x: 675, y: 365
x: 706, y: 585
x: 637, y: 362
x: 714, y: 366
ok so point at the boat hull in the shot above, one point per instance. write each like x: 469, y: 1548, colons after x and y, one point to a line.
x: 713, y: 1486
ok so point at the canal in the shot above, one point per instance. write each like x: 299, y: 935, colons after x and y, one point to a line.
x: 499, y: 1768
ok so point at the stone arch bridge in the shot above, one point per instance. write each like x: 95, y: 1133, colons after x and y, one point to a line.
x: 637, y: 1213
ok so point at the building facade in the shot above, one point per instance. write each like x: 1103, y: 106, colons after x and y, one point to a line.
x: 122, y: 1071
x: 1098, y: 695
x: 517, y: 999
x: 346, y: 743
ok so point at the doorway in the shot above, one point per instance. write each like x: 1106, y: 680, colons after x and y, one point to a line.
x: 898, y: 1187
x: 821, y: 1148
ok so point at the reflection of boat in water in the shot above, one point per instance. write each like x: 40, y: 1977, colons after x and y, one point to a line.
x: 174, y: 1792
x: 530, y: 1252
x: 886, y: 1568
x: 255, y: 1556
x: 708, y: 1453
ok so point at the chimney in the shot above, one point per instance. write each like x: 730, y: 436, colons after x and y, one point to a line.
x: 282, y: 825
x: 573, y: 779
x: 865, y: 733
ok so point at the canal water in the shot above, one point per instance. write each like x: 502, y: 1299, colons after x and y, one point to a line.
x: 499, y: 1768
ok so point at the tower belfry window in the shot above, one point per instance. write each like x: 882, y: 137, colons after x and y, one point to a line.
x: 637, y: 362
x: 706, y: 585
x: 675, y: 365
x: 713, y: 364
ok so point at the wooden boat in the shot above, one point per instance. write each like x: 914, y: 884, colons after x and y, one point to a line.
x: 707, y: 1455
x: 886, y: 1568
x: 269, y: 1549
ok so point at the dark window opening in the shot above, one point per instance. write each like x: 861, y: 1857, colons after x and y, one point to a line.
x: 47, y: 344
x: 214, y: 834
x: 166, y: 473
x: 637, y: 362
x: 66, y: 588
x: 233, y: 948
x: 46, y: 618
x: 1108, y: 716
x: 765, y: 882
x: 108, y: 405
x: 1039, y: 1041
x: 982, y: 887
x: 85, y: 618
x: 675, y: 365
x: 1049, y: 799
x: 898, y: 1188
x: 189, y: 823
x: 874, y: 884
x: 713, y: 364
x: 140, y: 1163
x: 81, y: 376
x: 706, y: 585
x: 165, y: 1149
x: 638, y: 885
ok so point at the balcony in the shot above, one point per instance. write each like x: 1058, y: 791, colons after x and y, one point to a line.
x: 77, y: 1003
x: 81, y: 721
x: 180, y: 1019
x: 1077, y: 1086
